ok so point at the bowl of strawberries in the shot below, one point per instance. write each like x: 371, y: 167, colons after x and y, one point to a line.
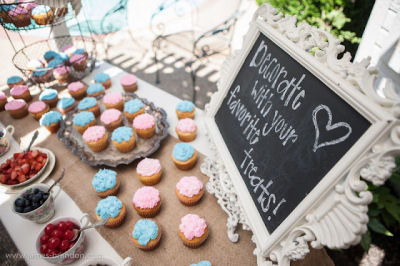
x: 23, y: 167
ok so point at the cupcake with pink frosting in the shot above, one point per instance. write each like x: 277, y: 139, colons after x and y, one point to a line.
x: 186, y: 129
x: 29, y: 6
x: 21, y: 92
x: 62, y: 74
x: 149, y: 171
x: 129, y: 83
x: 96, y: 137
x: 113, y: 100
x: 20, y: 17
x: 3, y: 100
x: 147, y: 201
x: 77, y: 90
x: 37, y: 109
x: 79, y: 62
x: 193, y: 230
x: 189, y: 190
x: 111, y: 118
x: 144, y: 125
x: 17, y: 108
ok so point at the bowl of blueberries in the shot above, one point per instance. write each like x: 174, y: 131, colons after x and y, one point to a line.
x: 35, y: 204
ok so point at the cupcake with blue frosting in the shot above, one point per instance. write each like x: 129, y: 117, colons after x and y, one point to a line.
x: 83, y: 120
x: 89, y: 104
x: 56, y: 62
x: 105, y: 183
x: 65, y: 105
x: 80, y: 51
x: 133, y: 108
x: 64, y: 57
x: 49, y: 96
x: 146, y: 234
x: 104, y: 79
x: 14, y: 80
x: 42, y: 15
x: 202, y: 263
x: 95, y: 90
x: 41, y: 75
x: 4, y: 10
x: 184, y: 156
x: 185, y: 109
x: 123, y: 139
x: 51, y: 121
x: 111, y: 207
x: 50, y: 55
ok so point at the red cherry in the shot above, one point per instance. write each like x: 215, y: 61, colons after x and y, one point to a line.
x: 68, y: 235
x: 49, y: 228
x: 43, y: 249
x: 54, y: 242
x: 51, y: 252
x: 70, y: 225
x: 71, y: 244
x: 64, y: 246
x: 62, y: 226
x: 44, y: 238
x: 57, y: 233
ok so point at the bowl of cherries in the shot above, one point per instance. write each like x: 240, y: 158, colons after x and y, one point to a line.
x: 35, y: 204
x: 56, y: 242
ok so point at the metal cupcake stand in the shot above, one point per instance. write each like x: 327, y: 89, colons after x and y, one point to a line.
x: 54, y: 36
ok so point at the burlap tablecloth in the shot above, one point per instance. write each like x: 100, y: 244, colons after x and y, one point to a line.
x: 217, y: 248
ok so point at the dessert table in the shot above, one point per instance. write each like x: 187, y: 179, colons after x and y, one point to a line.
x: 76, y: 197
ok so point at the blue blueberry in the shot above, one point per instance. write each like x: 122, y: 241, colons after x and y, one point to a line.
x: 45, y: 196
x: 27, y: 209
x: 19, y: 202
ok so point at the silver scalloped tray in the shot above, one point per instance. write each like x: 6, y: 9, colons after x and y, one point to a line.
x: 111, y: 156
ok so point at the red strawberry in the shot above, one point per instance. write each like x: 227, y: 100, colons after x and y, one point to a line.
x: 3, y: 179
x: 21, y: 178
x: 38, y: 167
x: 14, y: 175
x: 34, y: 153
x: 25, y: 168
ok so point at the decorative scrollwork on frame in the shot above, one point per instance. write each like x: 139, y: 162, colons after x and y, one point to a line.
x: 222, y: 188
x: 340, y: 220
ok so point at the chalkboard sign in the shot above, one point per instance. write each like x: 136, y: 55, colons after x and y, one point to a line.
x: 284, y: 128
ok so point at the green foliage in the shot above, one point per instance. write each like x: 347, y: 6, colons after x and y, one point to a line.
x: 345, y: 19
x: 384, y: 210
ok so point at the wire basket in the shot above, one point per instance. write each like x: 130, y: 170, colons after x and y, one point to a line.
x: 18, y: 16
x: 36, y: 50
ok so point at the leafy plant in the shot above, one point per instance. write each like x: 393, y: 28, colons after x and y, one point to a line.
x: 345, y: 19
x: 384, y: 210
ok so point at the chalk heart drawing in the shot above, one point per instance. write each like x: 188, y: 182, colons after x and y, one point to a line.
x: 329, y: 126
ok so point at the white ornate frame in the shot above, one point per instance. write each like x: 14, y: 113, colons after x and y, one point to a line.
x: 334, y: 214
